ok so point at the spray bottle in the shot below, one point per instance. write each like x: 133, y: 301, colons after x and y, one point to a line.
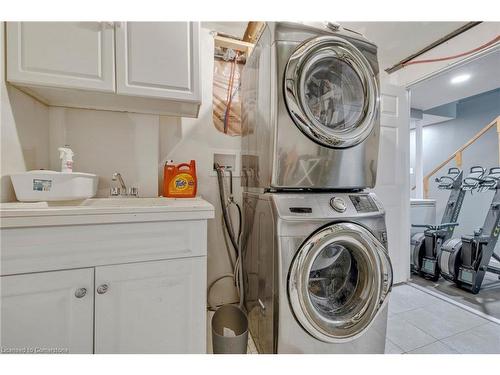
x: 66, y: 156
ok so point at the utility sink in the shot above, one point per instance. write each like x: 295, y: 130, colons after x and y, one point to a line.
x: 49, y: 186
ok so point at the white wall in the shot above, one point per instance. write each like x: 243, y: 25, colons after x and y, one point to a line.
x: 24, y: 131
x: 185, y: 139
x: 105, y: 142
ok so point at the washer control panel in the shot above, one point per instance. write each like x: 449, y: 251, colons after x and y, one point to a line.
x: 363, y: 203
x: 338, y: 204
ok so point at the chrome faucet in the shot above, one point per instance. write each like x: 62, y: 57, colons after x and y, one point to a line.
x: 122, y: 190
x: 118, y: 176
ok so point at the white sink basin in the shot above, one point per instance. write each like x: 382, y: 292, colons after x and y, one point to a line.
x: 36, y: 186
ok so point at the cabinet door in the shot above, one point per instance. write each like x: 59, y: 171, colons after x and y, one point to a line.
x: 151, y: 307
x: 158, y: 59
x: 76, y: 55
x: 48, y: 312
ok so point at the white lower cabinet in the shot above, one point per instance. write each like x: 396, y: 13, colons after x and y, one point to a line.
x: 132, y: 280
x: 47, y: 312
x: 146, y: 307
x: 151, y: 307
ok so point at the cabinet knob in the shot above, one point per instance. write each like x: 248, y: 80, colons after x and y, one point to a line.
x: 80, y: 292
x: 101, y: 289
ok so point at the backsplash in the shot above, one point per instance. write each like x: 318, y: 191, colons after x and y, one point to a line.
x: 105, y: 142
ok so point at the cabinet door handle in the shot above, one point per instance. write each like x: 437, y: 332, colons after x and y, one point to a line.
x: 80, y: 292
x: 103, y: 288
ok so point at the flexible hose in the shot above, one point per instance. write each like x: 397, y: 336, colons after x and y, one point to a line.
x: 225, y: 213
x: 237, y: 274
x: 210, y: 306
x: 232, y: 258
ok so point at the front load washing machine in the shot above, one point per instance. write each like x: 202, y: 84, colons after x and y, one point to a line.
x: 317, y: 272
x: 310, y: 109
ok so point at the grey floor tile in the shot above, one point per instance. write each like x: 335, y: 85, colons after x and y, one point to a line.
x: 484, y: 339
x: 437, y: 347
x: 405, y: 298
x: 442, y: 319
x: 405, y: 335
x: 391, y: 348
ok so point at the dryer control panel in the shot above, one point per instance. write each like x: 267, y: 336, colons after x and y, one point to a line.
x: 363, y: 203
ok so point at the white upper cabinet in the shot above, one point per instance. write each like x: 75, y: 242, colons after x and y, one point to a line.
x: 62, y: 54
x: 158, y: 59
x: 74, y: 64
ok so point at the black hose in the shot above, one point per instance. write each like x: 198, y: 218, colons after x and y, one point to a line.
x: 240, y: 222
x: 224, y: 211
x: 230, y: 231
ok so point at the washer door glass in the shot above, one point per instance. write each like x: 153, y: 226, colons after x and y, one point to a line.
x: 331, y: 92
x: 338, y: 282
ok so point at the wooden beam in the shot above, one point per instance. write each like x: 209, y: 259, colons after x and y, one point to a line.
x: 238, y: 45
x: 458, y: 159
x: 253, y: 31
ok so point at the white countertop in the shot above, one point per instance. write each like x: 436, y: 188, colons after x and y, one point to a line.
x: 103, y: 210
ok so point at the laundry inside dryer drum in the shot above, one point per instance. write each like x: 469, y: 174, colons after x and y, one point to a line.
x: 334, y: 94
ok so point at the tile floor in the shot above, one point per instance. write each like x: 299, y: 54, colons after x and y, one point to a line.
x: 420, y: 323
x: 487, y: 301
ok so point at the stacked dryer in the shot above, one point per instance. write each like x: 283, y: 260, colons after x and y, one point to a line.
x: 317, y: 271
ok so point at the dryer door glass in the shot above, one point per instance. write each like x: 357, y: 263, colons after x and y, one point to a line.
x: 334, y: 94
x: 331, y: 92
x: 338, y: 282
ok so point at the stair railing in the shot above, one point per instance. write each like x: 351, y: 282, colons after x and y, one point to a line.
x: 457, y: 155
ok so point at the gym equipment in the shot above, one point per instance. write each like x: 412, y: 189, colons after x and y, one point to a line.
x: 465, y: 260
x: 426, y: 245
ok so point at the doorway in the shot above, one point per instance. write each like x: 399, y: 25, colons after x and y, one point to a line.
x: 454, y: 123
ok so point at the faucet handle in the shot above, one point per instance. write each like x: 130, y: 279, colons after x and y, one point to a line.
x: 114, y: 192
x: 133, y: 192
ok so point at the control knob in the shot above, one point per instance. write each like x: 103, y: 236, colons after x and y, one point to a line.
x: 338, y: 204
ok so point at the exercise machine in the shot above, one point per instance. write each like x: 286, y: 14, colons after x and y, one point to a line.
x: 466, y: 260
x: 426, y: 245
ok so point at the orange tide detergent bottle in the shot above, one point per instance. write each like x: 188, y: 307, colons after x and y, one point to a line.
x: 179, y: 181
